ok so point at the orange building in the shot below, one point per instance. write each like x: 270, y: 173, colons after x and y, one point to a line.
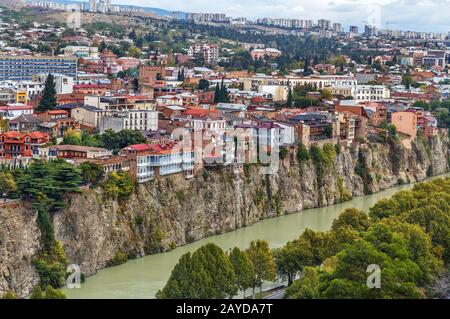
x: 405, y: 122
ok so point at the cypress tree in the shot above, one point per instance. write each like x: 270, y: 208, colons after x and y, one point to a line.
x: 306, y: 67
x: 217, y: 94
x: 223, y: 93
x: 289, y: 99
x: 48, y: 101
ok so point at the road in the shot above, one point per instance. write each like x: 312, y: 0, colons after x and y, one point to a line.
x: 278, y: 294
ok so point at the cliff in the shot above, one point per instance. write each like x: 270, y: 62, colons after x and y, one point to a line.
x: 172, y: 211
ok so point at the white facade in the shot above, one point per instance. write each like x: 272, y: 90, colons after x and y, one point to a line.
x: 210, y: 52
x: 142, y: 120
x: 372, y: 93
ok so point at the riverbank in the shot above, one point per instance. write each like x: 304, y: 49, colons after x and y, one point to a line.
x: 141, y: 278
x: 171, y: 212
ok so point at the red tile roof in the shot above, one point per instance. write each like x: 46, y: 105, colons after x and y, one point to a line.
x: 140, y: 147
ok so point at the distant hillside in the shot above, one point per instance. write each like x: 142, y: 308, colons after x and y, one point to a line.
x: 157, y: 11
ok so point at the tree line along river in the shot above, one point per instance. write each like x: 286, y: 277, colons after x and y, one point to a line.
x: 142, y: 278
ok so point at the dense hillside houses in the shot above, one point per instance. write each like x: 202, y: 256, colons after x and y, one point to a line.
x: 70, y: 100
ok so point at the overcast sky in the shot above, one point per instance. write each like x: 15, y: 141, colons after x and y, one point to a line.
x: 419, y: 15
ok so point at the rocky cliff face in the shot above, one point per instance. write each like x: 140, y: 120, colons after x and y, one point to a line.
x: 173, y: 211
x: 19, y: 243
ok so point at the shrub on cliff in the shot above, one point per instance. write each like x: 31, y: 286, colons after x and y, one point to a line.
x: 118, y: 185
x: 91, y: 172
x: 302, y: 153
x: 118, y: 259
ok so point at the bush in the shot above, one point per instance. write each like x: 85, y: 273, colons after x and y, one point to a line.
x: 283, y: 152
x: 303, y: 153
x: 118, y: 259
x: 119, y: 185
x: 91, y: 172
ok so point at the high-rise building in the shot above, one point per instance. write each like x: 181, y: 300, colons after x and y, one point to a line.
x: 354, y: 29
x: 324, y: 24
x: 92, y: 6
x: 24, y: 67
x: 338, y: 28
x: 370, y: 31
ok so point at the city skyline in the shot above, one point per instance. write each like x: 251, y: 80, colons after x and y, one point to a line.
x: 384, y: 13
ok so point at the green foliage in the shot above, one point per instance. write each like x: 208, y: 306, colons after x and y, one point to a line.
x: 307, y: 287
x: 9, y: 295
x: 47, y: 183
x: 302, y: 153
x: 292, y: 258
x: 243, y: 268
x: 262, y: 259
x: 354, y: 218
x: 407, y: 236
x: 49, y: 293
x: 407, y: 80
x: 72, y: 137
x: 48, y: 100
x: 283, y: 152
x: 91, y: 172
x: 344, y: 193
x: 118, y: 185
x: 116, y: 141
x: 207, y: 273
x: 110, y: 139
x: 8, y: 185
x: 221, y: 94
x: 203, y: 84
x: 118, y: 259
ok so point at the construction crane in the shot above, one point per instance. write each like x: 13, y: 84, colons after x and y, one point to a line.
x: 388, y: 23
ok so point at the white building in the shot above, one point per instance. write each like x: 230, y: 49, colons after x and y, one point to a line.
x: 209, y: 52
x: 63, y: 83
x: 142, y: 120
x: 372, y: 93
x: 80, y: 51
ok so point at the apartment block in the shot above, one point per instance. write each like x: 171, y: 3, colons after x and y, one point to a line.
x: 24, y: 67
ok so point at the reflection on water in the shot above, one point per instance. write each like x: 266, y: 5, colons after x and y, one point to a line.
x: 141, y: 278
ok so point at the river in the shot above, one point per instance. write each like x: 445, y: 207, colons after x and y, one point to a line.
x: 141, y: 278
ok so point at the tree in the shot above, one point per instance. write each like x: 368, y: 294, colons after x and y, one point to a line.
x: 262, y: 259
x: 325, y: 94
x: 307, y: 287
x: 302, y: 153
x: 72, y: 137
x: 407, y: 80
x: 134, y: 52
x: 48, y: 100
x: 356, y: 219
x: 290, y: 101
x: 217, y: 94
x: 7, y: 184
x: 207, y: 273
x: 49, y: 293
x: 118, y: 185
x: 292, y: 258
x: 223, y: 93
x: 203, y: 84
x: 243, y: 268
x: 91, y: 172
x: 306, y: 70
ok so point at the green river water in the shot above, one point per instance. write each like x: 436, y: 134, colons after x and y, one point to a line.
x: 141, y: 278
